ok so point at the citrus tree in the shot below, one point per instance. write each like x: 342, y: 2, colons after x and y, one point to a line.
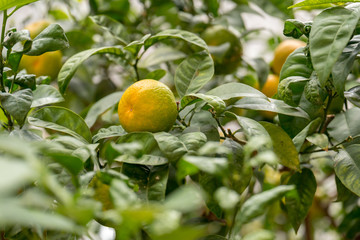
x: 158, y: 126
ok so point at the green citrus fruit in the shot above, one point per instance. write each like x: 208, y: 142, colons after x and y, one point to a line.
x: 147, y: 105
x: 47, y: 64
x: 225, y: 48
x: 282, y: 51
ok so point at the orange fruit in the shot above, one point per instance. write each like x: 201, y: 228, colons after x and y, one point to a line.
x: 269, y: 89
x: 282, y: 51
x: 226, y: 61
x: 47, y: 64
x: 271, y: 85
x: 147, y: 105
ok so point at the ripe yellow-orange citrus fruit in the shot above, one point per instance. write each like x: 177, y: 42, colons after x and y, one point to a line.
x: 47, y: 64
x: 282, y: 51
x: 271, y: 85
x: 269, y: 89
x: 228, y: 60
x: 147, y: 105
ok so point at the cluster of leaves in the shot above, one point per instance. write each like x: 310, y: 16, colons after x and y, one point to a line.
x: 77, y: 172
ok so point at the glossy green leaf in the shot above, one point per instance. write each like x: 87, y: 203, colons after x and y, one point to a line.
x: 145, y: 159
x: 50, y: 39
x: 272, y: 105
x: 310, y: 3
x: 62, y: 120
x: 156, y: 74
x: 250, y: 127
x: 70, y: 162
x: 23, y: 80
x: 161, y: 54
x: 135, y: 46
x: 299, y: 139
x: 235, y: 90
x: 193, y: 141
x: 151, y: 180
x: 347, y: 167
x: 176, y: 34
x: 113, y: 131
x: 214, y: 101
x: 353, y: 95
x: 296, y: 65
x: 281, y: 141
x: 101, y: 106
x: 345, y: 125
x: 330, y: 33
x: 319, y: 139
x: 256, y: 204
x: 344, y: 65
x: 45, y: 95
x: 6, y: 4
x: 17, y: 103
x: 114, y: 27
x: 193, y: 73
x: 170, y: 145
x: 69, y: 68
x: 298, y: 202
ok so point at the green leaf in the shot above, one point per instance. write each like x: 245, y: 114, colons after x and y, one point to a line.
x: 211, y: 165
x: 193, y: 73
x: 113, y: 131
x: 176, y: 34
x: 23, y: 80
x: 186, y: 199
x: 235, y: 90
x: 151, y: 180
x: 281, y: 141
x: 310, y: 3
x: 256, y: 204
x: 17, y: 104
x: 18, y: 42
x: 6, y: 4
x: 114, y: 27
x: 345, y: 125
x: 14, y: 174
x: 330, y: 33
x: 160, y: 55
x: 250, y: 127
x: 145, y: 159
x: 214, y: 101
x: 193, y: 141
x: 156, y: 74
x: 69, y: 68
x: 299, y: 139
x: 72, y: 163
x: 227, y: 198
x: 62, y: 120
x: 296, y: 64
x: 276, y: 8
x: 170, y: 145
x: 50, y: 39
x: 271, y: 105
x: 44, y: 95
x: 319, y: 139
x: 12, y: 213
x: 101, y: 106
x: 135, y: 46
x: 347, y: 167
x: 298, y: 202
x: 344, y: 65
x: 353, y: 95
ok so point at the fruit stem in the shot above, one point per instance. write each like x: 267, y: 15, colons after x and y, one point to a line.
x: 5, y: 17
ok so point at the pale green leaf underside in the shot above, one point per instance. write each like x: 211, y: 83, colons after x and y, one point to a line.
x: 309, y: 3
x: 6, y: 4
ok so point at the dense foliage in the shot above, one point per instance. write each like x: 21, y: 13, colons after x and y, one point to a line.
x: 237, y: 164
